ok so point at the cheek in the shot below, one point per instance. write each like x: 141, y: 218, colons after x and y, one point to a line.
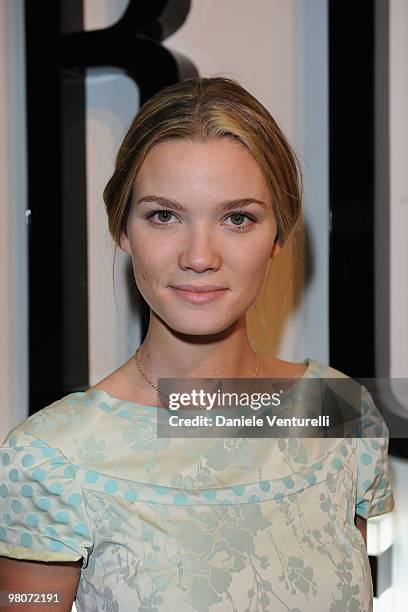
x: 141, y: 269
x: 149, y: 261
x: 252, y: 261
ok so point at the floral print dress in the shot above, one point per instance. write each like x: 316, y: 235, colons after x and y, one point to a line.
x: 240, y: 524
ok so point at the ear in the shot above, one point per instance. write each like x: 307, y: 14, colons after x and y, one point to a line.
x: 124, y: 243
x: 276, y: 249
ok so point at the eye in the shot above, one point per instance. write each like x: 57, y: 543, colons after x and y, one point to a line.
x: 236, y: 217
x: 166, y: 215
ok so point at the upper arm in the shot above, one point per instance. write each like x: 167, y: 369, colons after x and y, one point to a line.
x: 18, y: 576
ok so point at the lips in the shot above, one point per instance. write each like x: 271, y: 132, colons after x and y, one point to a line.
x: 199, y: 288
x: 203, y: 294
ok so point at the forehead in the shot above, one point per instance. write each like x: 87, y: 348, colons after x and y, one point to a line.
x: 186, y: 165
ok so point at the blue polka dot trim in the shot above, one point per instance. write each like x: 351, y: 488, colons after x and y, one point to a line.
x: 253, y: 492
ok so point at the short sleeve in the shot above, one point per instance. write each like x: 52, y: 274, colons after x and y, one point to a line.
x: 374, y: 486
x: 42, y: 511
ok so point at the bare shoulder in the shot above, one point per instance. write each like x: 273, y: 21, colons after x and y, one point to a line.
x: 118, y: 380
x: 279, y: 368
x: 123, y: 384
x: 110, y: 384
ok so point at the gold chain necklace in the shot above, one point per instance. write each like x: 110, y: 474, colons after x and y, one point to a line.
x: 157, y: 388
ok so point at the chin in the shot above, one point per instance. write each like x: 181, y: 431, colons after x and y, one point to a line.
x: 197, y: 325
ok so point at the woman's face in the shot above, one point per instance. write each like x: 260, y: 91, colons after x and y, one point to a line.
x: 184, y: 229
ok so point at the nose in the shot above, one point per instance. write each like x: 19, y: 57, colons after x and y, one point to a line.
x: 199, y: 252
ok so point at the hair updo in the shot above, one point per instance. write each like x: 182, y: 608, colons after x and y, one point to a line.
x: 207, y: 109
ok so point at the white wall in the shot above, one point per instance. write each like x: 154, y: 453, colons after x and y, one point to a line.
x: 398, y: 104
x: 114, y: 329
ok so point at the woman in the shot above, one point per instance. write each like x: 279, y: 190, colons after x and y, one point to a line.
x: 206, y: 189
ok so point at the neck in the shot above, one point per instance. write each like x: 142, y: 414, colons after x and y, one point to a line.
x: 166, y: 353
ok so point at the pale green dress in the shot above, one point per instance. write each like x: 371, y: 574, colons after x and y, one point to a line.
x: 240, y: 524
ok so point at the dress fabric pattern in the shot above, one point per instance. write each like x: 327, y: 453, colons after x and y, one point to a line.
x: 240, y: 524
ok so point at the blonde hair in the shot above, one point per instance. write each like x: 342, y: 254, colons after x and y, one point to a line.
x: 207, y: 109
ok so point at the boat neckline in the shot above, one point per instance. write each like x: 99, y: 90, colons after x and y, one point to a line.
x: 309, y: 362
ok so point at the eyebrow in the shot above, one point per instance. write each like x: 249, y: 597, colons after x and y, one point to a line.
x: 227, y: 205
